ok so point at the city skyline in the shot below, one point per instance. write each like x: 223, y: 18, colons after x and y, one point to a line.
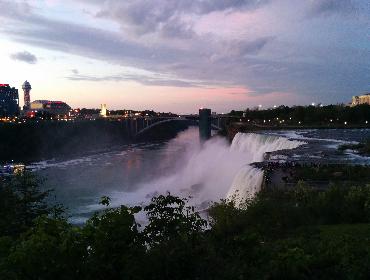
x: 178, y: 56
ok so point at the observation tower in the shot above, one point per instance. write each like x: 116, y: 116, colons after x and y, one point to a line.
x: 26, y: 89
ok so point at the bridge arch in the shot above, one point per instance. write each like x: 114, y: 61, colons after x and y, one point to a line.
x: 157, y: 123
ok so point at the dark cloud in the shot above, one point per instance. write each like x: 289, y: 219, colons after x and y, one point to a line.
x: 239, y: 48
x: 75, y: 71
x: 175, y: 28
x: 319, y: 7
x: 143, y: 17
x: 110, y: 46
x: 24, y: 56
x: 209, y: 6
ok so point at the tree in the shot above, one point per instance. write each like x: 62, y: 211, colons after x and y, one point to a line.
x: 176, y: 240
x: 22, y: 202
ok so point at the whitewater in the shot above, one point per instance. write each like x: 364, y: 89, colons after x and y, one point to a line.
x: 186, y: 167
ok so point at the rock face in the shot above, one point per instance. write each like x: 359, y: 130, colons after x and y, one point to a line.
x: 231, y: 132
x: 234, y: 128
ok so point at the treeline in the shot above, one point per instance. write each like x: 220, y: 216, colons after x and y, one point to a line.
x: 32, y: 141
x: 310, y: 115
x: 278, y: 234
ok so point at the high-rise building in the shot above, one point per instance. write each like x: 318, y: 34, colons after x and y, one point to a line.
x: 26, y: 89
x: 9, y: 101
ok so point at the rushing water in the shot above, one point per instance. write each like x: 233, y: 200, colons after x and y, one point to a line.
x: 132, y: 174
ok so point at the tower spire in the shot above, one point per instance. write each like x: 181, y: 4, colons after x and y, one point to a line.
x: 26, y: 89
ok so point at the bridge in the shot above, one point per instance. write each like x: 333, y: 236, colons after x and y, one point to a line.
x: 216, y: 125
x: 139, y: 125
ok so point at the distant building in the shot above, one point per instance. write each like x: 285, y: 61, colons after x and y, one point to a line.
x: 9, y: 101
x: 360, y: 99
x: 103, y: 111
x: 26, y: 89
x: 56, y: 108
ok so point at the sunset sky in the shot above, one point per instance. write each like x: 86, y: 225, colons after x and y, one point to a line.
x: 180, y: 55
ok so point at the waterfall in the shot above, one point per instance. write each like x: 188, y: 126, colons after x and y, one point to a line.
x: 209, y: 171
x: 249, y: 179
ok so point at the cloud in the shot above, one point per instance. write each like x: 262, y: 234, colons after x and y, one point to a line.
x: 319, y: 7
x: 266, y: 50
x: 239, y: 48
x: 24, y: 56
x: 209, y: 6
x: 24, y: 8
x: 143, y: 17
x: 147, y: 80
x: 175, y: 28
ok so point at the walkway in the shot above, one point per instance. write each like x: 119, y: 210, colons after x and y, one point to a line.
x: 275, y: 176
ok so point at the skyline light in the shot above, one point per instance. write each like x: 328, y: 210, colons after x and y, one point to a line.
x: 178, y: 56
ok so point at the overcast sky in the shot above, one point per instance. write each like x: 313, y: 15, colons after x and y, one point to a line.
x: 180, y: 55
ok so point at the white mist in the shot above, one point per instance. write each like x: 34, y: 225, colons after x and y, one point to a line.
x: 212, y: 171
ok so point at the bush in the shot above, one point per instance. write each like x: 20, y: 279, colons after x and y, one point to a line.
x: 278, y: 234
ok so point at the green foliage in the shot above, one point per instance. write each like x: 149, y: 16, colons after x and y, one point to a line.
x: 115, y: 247
x: 174, y: 235
x: 109, y: 246
x: 325, y: 116
x: 278, y: 234
x: 22, y: 201
x: 335, y: 173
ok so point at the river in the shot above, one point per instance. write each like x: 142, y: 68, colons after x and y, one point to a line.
x: 133, y: 174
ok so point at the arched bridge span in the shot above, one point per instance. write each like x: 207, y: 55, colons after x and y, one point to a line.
x: 216, y: 123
